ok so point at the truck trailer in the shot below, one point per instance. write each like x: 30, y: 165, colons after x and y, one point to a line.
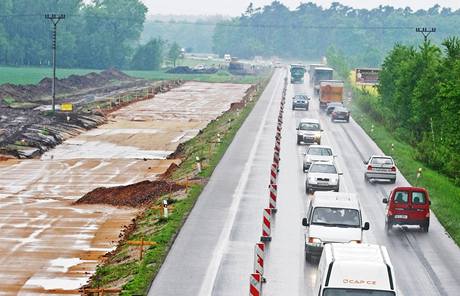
x: 330, y: 91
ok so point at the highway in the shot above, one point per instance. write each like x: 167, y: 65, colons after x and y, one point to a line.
x: 213, y: 253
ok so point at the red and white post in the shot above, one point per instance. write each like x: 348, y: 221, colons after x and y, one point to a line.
x: 273, y: 173
x: 273, y: 195
x: 259, y: 253
x: 255, y: 284
x: 266, y: 226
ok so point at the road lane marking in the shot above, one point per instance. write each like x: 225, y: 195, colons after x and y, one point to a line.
x: 211, y: 273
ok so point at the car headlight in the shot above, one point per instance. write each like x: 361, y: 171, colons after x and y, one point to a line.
x: 314, y: 241
x: 311, y: 180
x: 355, y: 241
x: 334, y: 181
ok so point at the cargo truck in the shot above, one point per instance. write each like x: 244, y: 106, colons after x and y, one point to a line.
x: 320, y: 74
x: 330, y: 91
x: 297, y: 73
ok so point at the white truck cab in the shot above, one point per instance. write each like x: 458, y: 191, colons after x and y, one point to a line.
x: 355, y: 270
x: 332, y: 217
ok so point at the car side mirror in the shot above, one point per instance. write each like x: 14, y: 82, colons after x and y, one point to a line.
x: 366, y: 226
x: 322, y: 130
x: 305, y: 222
x: 365, y: 161
x: 335, y: 155
x: 297, y: 128
x: 340, y: 174
x: 385, y: 200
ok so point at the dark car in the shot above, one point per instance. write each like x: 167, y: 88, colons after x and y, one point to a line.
x: 300, y: 101
x: 331, y: 106
x: 408, y: 206
x: 340, y: 113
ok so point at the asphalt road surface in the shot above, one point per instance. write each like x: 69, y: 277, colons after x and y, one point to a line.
x: 213, y: 253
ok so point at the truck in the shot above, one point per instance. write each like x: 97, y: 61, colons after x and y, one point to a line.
x: 355, y: 269
x: 320, y: 74
x: 330, y: 91
x: 297, y: 73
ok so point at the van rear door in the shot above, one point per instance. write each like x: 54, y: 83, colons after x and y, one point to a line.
x: 419, y: 205
x: 400, y: 205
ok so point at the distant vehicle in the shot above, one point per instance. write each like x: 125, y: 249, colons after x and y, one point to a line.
x: 199, y: 67
x: 369, y: 76
x: 332, y: 218
x: 322, y: 176
x: 340, y: 113
x: 317, y: 153
x: 330, y: 91
x: 330, y: 107
x: 297, y: 73
x: 355, y: 270
x: 227, y: 58
x: 380, y: 167
x: 320, y: 74
x: 309, y: 131
x: 278, y: 65
x: 407, y: 206
x: 311, y: 70
x: 300, y: 101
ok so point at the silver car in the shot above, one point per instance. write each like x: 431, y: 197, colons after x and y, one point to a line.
x: 380, y: 167
x: 317, y: 153
x: 322, y: 176
x: 309, y: 131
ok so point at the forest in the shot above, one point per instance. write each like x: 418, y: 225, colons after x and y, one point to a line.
x: 309, y: 30
x: 94, y: 34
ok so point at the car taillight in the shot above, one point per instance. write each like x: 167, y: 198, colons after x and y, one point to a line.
x: 393, y: 169
x: 369, y: 168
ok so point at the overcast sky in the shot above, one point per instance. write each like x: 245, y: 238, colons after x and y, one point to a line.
x: 236, y: 7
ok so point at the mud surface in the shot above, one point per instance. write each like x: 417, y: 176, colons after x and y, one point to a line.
x: 49, y: 245
x: 132, y: 195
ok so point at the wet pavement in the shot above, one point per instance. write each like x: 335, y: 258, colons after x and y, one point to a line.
x: 217, y: 241
x: 50, y: 246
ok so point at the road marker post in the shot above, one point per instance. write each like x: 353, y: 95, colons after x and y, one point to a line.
x: 259, y: 252
x: 272, y: 197
x: 266, y: 226
x: 198, y: 164
x: 419, y: 174
x: 141, y: 245
x: 273, y: 173
x: 276, y: 158
x: 165, y: 208
x: 255, y: 284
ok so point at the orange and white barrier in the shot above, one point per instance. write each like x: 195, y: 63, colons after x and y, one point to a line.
x: 266, y: 226
x: 259, y: 253
x: 255, y: 284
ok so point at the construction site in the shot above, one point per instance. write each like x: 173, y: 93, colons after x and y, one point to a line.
x: 72, y: 183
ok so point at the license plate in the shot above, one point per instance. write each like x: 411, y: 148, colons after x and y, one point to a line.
x: 400, y: 216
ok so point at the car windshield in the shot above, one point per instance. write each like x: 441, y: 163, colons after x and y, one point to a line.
x: 382, y: 161
x: 319, y: 151
x: 340, y: 109
x: 336, y: 217
x: 323, y: 168
x: 355, y: 292
x: 303, y: 98
x: 309, y: 126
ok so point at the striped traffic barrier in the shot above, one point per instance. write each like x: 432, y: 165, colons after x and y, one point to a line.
x: 276, y: 158
x: 273, y: 195
x: 278, y: 128
x: 266, y: 226
x: 274, y: 173
x: 259, y: 251
x: 255, y: 284
x: 277, y: 146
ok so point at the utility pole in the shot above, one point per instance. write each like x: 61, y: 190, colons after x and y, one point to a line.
x: 55, y: 18
x: 425, y: 32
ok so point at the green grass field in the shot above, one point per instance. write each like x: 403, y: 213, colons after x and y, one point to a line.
x: 33, y: 75
x: 443, y: 192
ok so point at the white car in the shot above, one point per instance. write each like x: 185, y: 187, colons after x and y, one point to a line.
x: 380, y: 167
x: 317, y: 153
x: 322, y: 176
x: 355, y: 269
x: 332, y: 218
x: 309, y: 131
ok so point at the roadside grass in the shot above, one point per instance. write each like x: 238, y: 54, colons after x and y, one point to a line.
x: 124, y: 269
x: 33, y: 75
x: 445, y: 195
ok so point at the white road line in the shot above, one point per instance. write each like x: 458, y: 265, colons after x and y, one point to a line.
x: 211, y: 273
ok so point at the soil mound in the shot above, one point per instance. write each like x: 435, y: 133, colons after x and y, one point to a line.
x: 133, y: 195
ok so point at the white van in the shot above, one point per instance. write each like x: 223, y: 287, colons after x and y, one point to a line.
x: 227, y: 58
x: 355, y: 270
x: 332, y: 217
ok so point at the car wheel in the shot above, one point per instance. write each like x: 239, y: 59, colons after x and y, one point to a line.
x: 336, y: 190
x: 306, y: 109
x: 388, y: 225
x: 307, y: 189
x: 348, y: 119
x: 305, y: 169
x: 318, y: 142
x: 308, y: 256
x: 425, y: 226
x: 392, y: 181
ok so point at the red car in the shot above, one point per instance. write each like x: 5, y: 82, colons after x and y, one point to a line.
x: 408, y: 206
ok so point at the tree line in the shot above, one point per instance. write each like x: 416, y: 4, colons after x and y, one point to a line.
x: 419, y: 100
x: 307, y: 31
x: 95, y: 34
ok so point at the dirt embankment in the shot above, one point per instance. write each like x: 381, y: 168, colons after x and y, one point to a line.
x: 28, y: 133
